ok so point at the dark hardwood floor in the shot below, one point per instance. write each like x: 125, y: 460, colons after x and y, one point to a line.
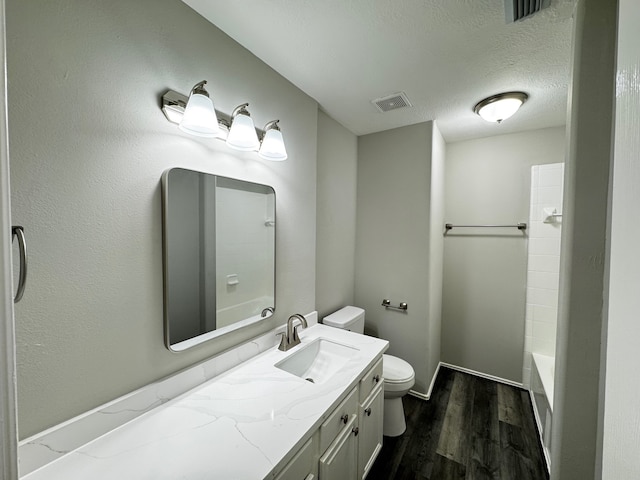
x: 470, y: 429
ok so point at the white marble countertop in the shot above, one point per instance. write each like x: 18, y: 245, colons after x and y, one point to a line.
x: 244, y: 424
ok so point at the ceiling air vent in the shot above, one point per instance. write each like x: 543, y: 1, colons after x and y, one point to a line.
x: 520, y: 9
x: 392, y: 102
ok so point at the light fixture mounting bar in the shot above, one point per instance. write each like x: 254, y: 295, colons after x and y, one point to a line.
x: 174, y: 103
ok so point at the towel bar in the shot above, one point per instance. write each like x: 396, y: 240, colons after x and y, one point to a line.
x: 387, y: 304
x: 519, y: 226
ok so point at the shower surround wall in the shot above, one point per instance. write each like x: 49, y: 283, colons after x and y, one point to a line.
x: 543, y: 271
x: 244, y: 260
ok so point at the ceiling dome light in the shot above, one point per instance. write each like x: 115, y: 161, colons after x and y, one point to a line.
x: 200, y: 115
x: 501, y: 106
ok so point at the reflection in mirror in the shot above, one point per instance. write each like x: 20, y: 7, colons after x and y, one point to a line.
x: 219, y: 255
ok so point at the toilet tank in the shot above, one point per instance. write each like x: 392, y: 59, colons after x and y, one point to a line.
x: 347, y: 318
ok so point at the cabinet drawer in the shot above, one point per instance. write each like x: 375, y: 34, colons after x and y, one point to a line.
x: 301, y: 466
x: 337, y: 420
x: 372, y: 378
x: 340, y: 461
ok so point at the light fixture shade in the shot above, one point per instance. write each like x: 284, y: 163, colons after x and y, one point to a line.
x: 500, y: 107
x: 272, y: 147
x: 200, y: 115
x: 242, y: 134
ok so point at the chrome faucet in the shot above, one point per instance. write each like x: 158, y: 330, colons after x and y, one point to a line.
x: 266, y: 311
x: 290, y: 338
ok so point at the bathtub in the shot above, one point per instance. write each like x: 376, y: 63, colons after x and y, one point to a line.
x: 250, y: 310
x: 542, y: 376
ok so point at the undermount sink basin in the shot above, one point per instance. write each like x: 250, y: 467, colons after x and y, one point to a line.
x: 318, y: 361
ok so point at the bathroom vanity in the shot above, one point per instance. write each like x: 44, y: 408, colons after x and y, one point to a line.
x: 312, y: 412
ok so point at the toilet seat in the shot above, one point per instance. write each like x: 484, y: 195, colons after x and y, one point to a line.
x: 396, y: 371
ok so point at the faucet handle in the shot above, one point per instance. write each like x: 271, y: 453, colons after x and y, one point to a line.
x: 283, y: 341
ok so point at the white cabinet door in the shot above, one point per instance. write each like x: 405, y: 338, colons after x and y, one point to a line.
x: 301, y: 466
x: 340, y: 461
x: 371, y: 421
x: 335, y: 423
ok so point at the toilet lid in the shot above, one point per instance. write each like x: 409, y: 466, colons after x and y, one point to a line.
x: 396, y: 370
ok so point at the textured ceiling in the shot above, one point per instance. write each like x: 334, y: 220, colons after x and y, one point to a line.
x: 446, y: 55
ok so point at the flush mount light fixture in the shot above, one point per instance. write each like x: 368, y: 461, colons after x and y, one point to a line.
x: 501, y: 106
x: 242, y: 134
x: 196, y: 115
x: 272, y: 145
x: 199, y: 116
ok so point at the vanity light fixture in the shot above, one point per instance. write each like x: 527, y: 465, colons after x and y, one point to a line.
x: 501, y: 106
x: 199, y: 116
x: 272, y: 145
x: 196, y: 115
x: 242, y: 134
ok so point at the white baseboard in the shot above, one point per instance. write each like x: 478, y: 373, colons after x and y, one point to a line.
x: 481, y: 374
x: 421, y: 396
x: 427, y: 396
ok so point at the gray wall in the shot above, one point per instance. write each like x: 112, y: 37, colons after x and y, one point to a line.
x: 396, y: 169
x: 488, y: 182
x: 89, y: 144
x: 336, y: 216
x: 583, y: 269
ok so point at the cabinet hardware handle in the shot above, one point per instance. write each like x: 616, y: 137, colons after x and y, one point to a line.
x: 344, y: 418
x: 368, y: 411
x: 18, y: 231
x: 355, y: 431
x: 376, y: 379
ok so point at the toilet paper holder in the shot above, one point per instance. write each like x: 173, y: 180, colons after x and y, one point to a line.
x: 387, y: 304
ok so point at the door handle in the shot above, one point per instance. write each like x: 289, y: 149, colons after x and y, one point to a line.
x: 18, y: 231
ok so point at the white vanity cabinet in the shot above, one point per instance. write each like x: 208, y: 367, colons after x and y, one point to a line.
x: 302, y: 466
x: 328, y: 430
x: 370, y: 415
x: 370, y: 442
x: 340, y: 460
x: 351, y: 437
x: 339, y: 442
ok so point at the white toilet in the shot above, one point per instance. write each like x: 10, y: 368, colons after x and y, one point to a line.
x: 398, y: 375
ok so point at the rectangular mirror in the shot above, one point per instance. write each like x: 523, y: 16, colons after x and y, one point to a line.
x: 219, y: 255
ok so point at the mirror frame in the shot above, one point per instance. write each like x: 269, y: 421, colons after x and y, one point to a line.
x: 218, y: 332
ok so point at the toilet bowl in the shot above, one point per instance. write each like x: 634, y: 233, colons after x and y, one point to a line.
x: 399, y: 377
x: 398, y: 374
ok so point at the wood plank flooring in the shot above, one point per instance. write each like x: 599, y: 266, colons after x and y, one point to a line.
x: 470, y: 429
